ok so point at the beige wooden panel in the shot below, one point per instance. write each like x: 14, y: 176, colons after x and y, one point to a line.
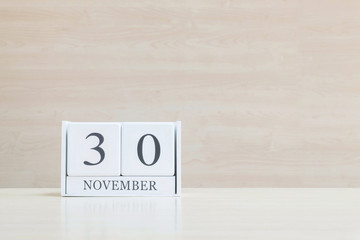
x: 268, y: 91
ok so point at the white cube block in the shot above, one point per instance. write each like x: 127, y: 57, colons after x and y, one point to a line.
x: 148, y: 149
x: 93, y: 149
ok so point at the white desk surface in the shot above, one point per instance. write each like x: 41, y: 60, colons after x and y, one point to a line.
x: 203, y: 213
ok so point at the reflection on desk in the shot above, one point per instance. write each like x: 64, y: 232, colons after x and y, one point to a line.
x: 88, y: 215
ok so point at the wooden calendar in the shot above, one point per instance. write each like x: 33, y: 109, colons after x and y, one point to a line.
x: 121, y: 159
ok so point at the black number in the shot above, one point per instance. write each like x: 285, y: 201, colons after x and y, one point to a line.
x: 97, y: 148
x: 140, y: 149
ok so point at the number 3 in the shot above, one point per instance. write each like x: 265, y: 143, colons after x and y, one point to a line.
x: 97, y: 148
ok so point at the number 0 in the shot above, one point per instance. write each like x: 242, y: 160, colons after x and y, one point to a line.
x: 140, y: 149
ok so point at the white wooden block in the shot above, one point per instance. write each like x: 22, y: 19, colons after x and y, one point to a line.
x: 159, y: 172
x: 121, y: 186
x: 93, y: 149
x: 148, y: 149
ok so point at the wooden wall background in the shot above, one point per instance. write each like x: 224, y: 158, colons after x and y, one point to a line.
x: 268, y: 91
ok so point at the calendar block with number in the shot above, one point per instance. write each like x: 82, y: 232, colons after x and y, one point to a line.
x: 121, y: 159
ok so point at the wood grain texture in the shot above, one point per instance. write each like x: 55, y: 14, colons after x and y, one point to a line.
x: 268, y: 91
x: 200, y: 213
